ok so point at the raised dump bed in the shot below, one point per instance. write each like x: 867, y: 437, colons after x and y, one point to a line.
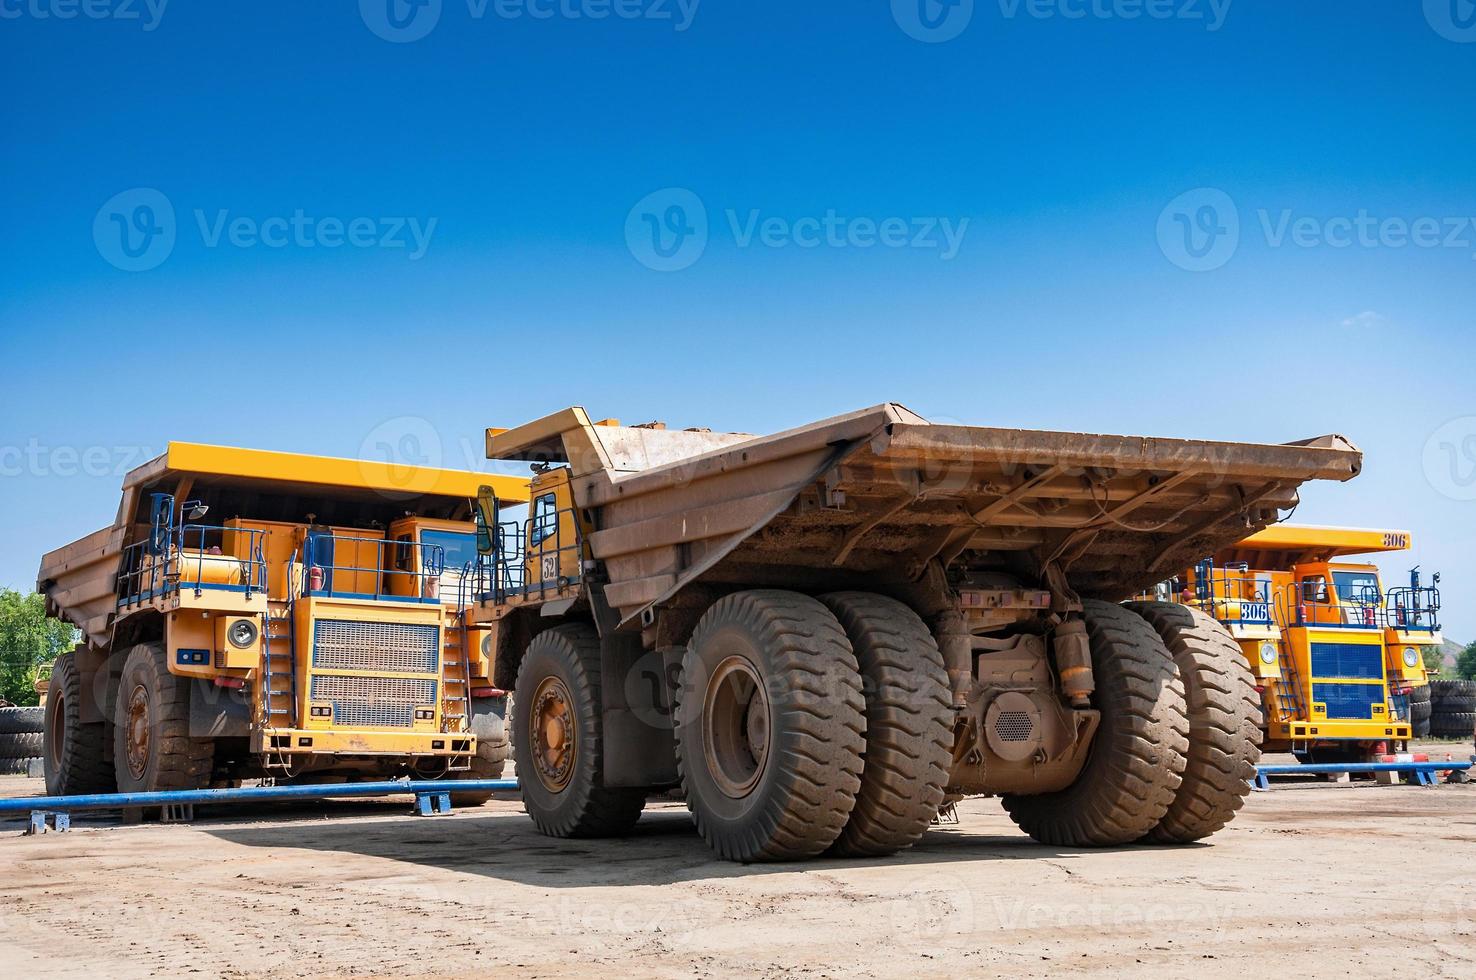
x: 964, y: 578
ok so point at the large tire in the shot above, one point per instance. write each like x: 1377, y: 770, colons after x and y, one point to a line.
x: 770, y: 727
x: 1224, y: 721
x: 16, y: 767
x: 152, y: 747
x: 909, y: 724
x: 559, y: 682
x: 1453, y: 724
x: 1138, y: 756
x: 1440, y: 690
x: 491, y: 758
x: 20, y: 721
x: 78, y: 755
x: 26, y: 745
x: 1455, y: 703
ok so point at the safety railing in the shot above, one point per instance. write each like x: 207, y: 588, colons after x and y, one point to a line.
x: 345, y: 567
x: 192, y: 557
x: 1234, y: 595
x: 1413, y: 609
x: 532, y: 559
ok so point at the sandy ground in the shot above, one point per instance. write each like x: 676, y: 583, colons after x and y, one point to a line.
x: 1313, y: 880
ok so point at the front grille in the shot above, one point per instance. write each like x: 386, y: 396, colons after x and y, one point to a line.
x: 1355, y: 661
x: 396, y: 648
x: 1349, y: 702
x: 373, y: 702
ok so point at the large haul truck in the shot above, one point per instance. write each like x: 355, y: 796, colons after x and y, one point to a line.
x: 823, y: 634
x: 1337, y: 657
x: 259, y: 614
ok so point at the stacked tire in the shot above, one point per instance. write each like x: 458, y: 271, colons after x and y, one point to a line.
x: 1419, y: 712
x: 1452, y: 709
x: 20, y: 740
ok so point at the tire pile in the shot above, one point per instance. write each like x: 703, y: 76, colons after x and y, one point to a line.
x: 20, y: 740
x: 1419, y: 712
x: 1452, y: 709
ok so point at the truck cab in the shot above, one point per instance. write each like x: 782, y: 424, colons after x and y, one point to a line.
x: 1335, y: 654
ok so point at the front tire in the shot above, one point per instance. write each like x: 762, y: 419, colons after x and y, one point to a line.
x: 770, y: 727
x: 1224, y: 722
x: 1137, y: 758
x: 152, y: 747
x: 77, y: 755
x: 559, y: 742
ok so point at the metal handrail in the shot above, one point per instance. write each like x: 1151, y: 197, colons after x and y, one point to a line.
x: 425, y: 582
x: 160, y: 564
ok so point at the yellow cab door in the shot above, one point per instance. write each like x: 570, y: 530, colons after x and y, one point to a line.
x: 551, y: 534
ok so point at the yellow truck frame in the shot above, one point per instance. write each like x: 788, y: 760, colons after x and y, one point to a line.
x: 315, y: 628
x: 1334, y: 654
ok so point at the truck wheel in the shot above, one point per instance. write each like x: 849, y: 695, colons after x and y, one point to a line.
x: 77, y: 756
x: 1453, y: 724
x: 152, y: 747
x: 1137, y: 757
x: 909, y: 724
x: 491, y: 757
x: 19, y: 721
x: 770, y: 727
x: 1224, y: 722
x: 560, y: 758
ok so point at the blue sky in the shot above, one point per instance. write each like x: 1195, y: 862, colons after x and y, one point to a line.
x: 1248, y: 220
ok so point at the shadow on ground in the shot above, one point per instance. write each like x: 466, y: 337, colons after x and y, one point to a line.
x: 663, y: 848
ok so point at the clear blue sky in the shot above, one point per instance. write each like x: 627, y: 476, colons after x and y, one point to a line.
x: 1058, y: 146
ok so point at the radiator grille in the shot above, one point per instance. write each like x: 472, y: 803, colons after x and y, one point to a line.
x: 373, y: 702
x: 1349, y: 702
x: 397, y: 648
x: 1355, y: 661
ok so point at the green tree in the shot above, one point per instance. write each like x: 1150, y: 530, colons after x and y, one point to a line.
x: 1434, y: 658
x: 1466, y: 663
x: 29, y: 639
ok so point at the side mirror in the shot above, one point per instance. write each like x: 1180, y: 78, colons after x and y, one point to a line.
x: 1435, y: 579
x: 486, y: 521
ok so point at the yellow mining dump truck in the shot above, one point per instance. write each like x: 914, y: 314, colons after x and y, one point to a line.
x: 823, y: 634
x: 1337, y: 657
x: 309, y: 626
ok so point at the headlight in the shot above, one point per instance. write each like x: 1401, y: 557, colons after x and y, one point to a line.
x: 242, y: 633
x: 487, y: 645
x: 1411, y: 657
x: 1268, y: 653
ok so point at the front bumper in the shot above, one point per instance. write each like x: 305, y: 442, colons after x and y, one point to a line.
x: 298, y: 741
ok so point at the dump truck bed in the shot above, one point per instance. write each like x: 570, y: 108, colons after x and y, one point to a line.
x: 884, y: 493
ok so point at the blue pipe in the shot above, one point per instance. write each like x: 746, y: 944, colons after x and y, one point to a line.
x: 116, y: 801
x: 1327, y: 767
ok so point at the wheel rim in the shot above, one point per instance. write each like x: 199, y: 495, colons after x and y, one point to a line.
x: 136, y: 730
x: 56, y: 727
x: 551, y: 734
x: 736, y: 727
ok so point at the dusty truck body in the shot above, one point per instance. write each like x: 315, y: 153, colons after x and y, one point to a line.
x: 254, y: 613
x: 823, y: 634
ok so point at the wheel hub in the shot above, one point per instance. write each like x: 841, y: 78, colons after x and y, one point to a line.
x: 735, y: 727
x: 551, y: 734
x: 137, y: 731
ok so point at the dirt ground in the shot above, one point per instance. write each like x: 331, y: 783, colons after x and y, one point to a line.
x: 1312, y: 880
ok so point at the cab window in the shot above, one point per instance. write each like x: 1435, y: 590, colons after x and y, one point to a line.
x: 1314, y: 589
x: 402, y: 553
x: 1358, y: 587
x: 545, y: 521
x: 458, y: 548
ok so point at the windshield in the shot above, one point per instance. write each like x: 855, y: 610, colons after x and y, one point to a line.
x: 460, y: 547
x: 1358, y: 587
